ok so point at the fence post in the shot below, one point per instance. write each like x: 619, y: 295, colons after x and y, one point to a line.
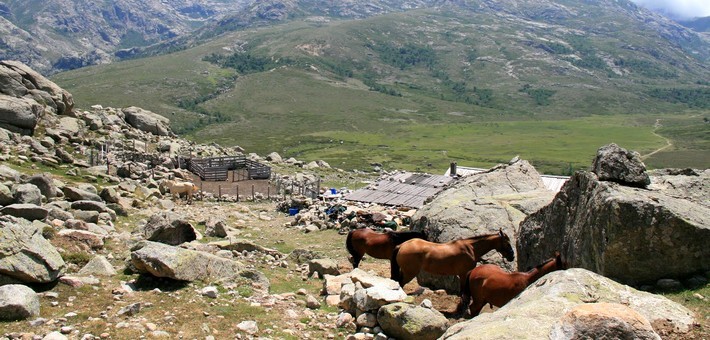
x: 219, y: 192
x: 202, y: 193
x: 237, y: 193
x: 253, y: 198
x: 268, y: 192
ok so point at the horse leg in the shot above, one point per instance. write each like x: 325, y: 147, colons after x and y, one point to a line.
x: 356, y: 258
x: 406, y: 276
x: 476, y: 307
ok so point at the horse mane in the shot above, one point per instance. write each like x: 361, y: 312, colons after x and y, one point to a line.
x: 398, y: 237
x: 480, y: 236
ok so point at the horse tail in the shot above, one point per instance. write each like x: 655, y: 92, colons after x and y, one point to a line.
x: 465, y: 292
x: 394, y: 266
x: 349, y: 244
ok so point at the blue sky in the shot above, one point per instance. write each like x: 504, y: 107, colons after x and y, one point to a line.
x: 680, y: 8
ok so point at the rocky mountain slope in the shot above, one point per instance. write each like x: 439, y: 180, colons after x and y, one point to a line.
x: 58, y: 35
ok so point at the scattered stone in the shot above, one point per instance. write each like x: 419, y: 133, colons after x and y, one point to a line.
x: 210, y: 291
x: 312, y: 302
x: 130, y: 310
x: 249, y: 327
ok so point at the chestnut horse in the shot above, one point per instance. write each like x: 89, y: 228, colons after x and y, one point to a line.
x: 490, y: 284
x: 378, y: 245
x: 452, y: 258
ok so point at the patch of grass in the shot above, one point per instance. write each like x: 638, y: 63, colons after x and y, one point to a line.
x: 78, y: 258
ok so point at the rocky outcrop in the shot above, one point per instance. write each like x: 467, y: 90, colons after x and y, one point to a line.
x: 18, y: 302
x: 162, y: 260
x: 147, y: 121
x: 26, y: 256
x: 26, y: 95
x: 631, y: 234
x: 542, y: 309
x: 480, y: 204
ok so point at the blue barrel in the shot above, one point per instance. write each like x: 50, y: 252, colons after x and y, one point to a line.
x: 333, y: 191
x: 292, y: 211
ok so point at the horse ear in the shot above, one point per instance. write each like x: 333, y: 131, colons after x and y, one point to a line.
x: 500, y: 232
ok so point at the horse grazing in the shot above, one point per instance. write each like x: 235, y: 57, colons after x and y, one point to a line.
x: 490, y: 284
x: 378, y: 245
x: 452, y: 258
x: 176, y: 188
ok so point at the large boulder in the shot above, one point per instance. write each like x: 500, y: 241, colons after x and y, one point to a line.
x: 631, y: 234
x: 18, y: 302
x: 542, y: 309
x: 147, y: 121
x: 26, y: 211
x: 404, y: 321
x: 481, y: 204
x: 78, y: 194
x: 26, y: 256
x: 163, y: 260
x: 19, y: 80
x: 45, y: 183
x: 169, y: 228
x: 27, y: 194
x: 19, y: 114
x: 616, y: 164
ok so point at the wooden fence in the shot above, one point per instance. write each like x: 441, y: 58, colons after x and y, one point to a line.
x: 217, y: 168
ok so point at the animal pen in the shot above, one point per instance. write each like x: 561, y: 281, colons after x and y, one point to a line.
x: 240, y: 177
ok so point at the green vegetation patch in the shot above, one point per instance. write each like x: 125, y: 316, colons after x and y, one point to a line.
x: 693, y: 97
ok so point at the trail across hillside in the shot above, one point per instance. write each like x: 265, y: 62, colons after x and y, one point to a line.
x: 656, y: 126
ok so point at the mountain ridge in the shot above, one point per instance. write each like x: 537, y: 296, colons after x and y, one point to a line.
x: 66, y: 34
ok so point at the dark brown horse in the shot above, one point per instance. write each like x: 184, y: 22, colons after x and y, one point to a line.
x: 451, y: 258
x: 378, y: 245
x: 490, y: 284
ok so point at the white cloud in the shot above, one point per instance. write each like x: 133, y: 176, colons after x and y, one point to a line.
x: 679, y: 8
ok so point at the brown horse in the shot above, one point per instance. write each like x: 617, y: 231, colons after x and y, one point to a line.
x: 490, y: 284
x: 451, y: 258
x: 378, y: 245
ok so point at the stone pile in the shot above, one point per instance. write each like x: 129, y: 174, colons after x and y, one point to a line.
x: 374, y: 307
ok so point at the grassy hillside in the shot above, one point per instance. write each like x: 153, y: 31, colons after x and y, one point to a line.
x: 419, y: 89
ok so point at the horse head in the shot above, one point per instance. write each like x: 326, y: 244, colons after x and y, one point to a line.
x: 505, y: 248
x: 559, y: 263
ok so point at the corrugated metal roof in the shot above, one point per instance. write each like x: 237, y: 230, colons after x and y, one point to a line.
x: 552, y: 182
x: 402, y: 189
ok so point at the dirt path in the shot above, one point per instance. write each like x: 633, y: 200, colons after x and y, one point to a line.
x: 656, y: 126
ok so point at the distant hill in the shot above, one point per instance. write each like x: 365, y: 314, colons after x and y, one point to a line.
x: 697, y: 24
x: 356, y: 83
